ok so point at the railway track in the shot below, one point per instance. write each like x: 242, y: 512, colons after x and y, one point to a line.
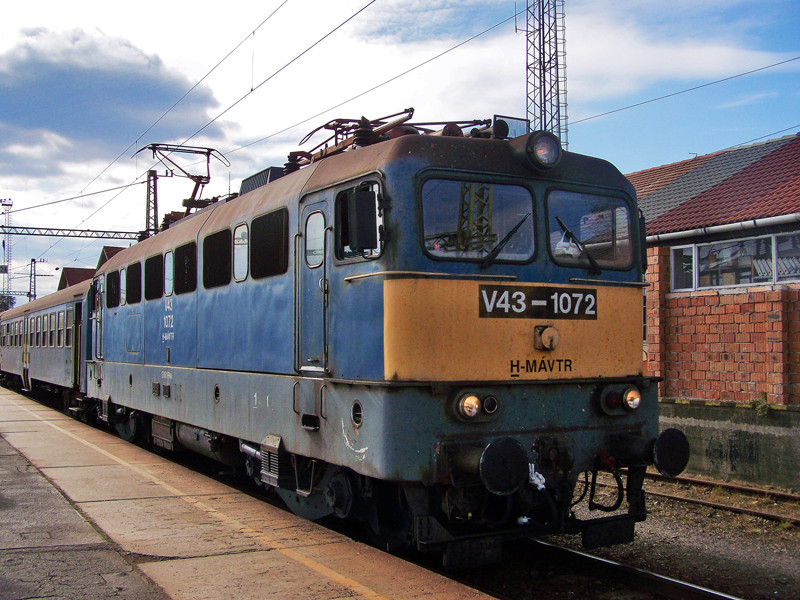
x: 734, y: 487
x: 632, y: 577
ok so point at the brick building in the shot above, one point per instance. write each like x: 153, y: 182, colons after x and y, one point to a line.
x: 722, y: 316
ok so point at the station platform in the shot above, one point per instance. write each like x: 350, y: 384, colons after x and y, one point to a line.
x: 85, y: 515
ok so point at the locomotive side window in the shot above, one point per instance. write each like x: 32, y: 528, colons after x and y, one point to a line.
x: 241, y: 243
x: 472, y: 220
x: 217, y: 259
x: 154, y: 277
x: 169, y: 273
x: 122, y: 286
x: 359, y: 222
x: 133, y: 283
x: 269, y: 243
x: 112, y: 289
x: 186, y: 268
x: 589, y: 231
x: 315, y: 239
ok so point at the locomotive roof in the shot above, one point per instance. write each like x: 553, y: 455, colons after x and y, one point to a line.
x: 73, y: 292
x: 465, y: 154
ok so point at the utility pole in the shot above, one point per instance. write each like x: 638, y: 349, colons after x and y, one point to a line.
x: 32, y: 285
x: 6, y: 204
x: 546, y: 65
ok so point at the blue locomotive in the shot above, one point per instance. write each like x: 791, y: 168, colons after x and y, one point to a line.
x: 434, y: 333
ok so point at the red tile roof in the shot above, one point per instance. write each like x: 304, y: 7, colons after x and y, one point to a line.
x: 751, y: 182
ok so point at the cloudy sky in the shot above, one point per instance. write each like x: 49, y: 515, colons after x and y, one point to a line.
x: 84, y: 85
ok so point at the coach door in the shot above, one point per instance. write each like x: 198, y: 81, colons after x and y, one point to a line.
x: 26, y: 325
x: 96, y: 318
x: 313, y: 256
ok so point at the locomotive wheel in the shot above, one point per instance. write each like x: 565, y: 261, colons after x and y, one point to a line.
x: 130, y: 427
x: 387, y: 519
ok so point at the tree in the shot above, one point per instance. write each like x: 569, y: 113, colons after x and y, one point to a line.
x: 7, y: 302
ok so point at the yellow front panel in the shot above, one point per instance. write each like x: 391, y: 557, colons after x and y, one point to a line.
x: 434, y: 331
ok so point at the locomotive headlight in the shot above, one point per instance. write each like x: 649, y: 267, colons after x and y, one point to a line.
x: 469, y: 405
x: 544, y: 149
x: 631, y: 398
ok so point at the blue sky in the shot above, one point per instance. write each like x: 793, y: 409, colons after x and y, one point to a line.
x: 81, y: 88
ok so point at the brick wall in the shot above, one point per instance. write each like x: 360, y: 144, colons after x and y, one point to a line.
x: 730, y: 345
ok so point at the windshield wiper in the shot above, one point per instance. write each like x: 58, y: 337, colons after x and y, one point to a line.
x: 490, y: 258
x: 595, y: 270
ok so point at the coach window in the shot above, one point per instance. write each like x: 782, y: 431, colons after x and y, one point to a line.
x: 32, y: 332
x: 186, y: 268
x: 112, y: 289
x: 241, y: 242
x: 217, y: 259
x: 38, y: 329
x: 68, y: 335
x: 169, y: 273
x: 359, y: 222
x: 154, y: 277
x: 133, y: 283
x: 60, y: 328
x: 269, y: 244
x: 52, y: 330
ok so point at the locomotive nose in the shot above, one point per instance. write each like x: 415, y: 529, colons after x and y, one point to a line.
x: 502, y: 465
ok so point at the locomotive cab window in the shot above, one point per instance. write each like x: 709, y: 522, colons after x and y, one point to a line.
x: 477, y: 221
x: 589, y: 231
x: 112, y: 289
x: 359, y: 222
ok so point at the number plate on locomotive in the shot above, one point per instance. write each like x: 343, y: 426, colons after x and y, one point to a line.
x: 518, y: 302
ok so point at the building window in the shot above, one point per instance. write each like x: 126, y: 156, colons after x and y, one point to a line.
x: 269, y: 244
x: 683, y: 268
x: 763, y: 260
x: 787, y: 263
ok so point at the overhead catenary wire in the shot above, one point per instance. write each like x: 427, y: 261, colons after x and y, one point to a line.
x: 189, y: 91
x: 687, y: 90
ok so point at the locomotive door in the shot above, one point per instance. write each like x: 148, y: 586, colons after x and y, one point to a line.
x: 313, y: 257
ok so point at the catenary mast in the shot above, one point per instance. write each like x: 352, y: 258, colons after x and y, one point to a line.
x: 546, y: 66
